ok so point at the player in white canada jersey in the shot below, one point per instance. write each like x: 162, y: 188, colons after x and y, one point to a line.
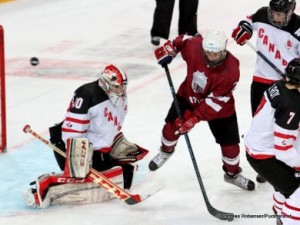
x: 273, y: 143
x: 277, y: 38
x: 91, y: 136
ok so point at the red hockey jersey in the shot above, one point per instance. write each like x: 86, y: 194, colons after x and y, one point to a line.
x: 208, y: 90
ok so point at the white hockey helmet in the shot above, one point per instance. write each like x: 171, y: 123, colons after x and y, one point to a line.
x: 214, y: 41
x: 214, y: 47
x: 113, y: 81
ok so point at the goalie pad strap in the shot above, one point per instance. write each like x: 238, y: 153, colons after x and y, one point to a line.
x: 78, y: 157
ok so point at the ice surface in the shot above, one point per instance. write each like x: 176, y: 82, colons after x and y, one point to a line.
x: 73, y: 40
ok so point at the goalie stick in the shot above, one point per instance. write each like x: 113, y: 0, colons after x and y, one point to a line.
x: 97, y: 177
x: 214, y: 212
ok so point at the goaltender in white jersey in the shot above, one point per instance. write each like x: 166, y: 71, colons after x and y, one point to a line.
x: 91, y: 136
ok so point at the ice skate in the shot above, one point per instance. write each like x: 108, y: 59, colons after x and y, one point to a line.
x: 159, y: 160
x: 155, y: 40
x: 240, y: 181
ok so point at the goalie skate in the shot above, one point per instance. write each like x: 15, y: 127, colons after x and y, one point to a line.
x: 159, y: 160
x: 240, y: 181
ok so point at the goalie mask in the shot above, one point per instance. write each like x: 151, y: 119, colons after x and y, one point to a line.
x: 280, y: 12
x: 214, y: 47
x: 113, y: 81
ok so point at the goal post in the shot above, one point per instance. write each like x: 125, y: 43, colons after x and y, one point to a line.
x: 3, y: 142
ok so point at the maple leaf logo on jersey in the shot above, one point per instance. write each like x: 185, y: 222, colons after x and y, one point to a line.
x: 289, y: 44
x: 199, y: 82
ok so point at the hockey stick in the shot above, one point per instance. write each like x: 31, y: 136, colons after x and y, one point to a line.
x: 272, y: 65
x: 214, y: 212
x: 96, y: 176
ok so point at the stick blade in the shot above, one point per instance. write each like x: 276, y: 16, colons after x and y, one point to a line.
x: 133, y: 199
x: 220, y: 215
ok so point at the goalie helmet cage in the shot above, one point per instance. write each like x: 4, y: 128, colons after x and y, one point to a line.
x: 2, y: 94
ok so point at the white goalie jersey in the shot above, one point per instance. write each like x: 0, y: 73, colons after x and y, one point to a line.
x: 92, y: 115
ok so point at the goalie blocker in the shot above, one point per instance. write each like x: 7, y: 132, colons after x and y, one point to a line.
x: 73, y: 186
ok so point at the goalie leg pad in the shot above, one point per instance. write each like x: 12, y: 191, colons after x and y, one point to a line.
x: 38, y: 196
x: 55, y: 189
x: 78, y: 157
x: 84, y: 193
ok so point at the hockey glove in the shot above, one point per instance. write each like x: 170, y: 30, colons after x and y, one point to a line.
x: 184, y: 125
x: 242, y: 33
x: 124, y: 151
x: 165, y: 54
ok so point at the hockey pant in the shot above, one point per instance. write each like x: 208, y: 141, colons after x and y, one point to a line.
x: 56, y: 189
x: 230, y: 153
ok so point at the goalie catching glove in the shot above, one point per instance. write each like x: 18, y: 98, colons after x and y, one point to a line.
x: 126, y: 152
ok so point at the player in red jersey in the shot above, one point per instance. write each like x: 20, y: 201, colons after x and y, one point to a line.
x: 204, y: 95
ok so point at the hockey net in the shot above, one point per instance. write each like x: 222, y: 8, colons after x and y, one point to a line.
x: 2, y: 94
